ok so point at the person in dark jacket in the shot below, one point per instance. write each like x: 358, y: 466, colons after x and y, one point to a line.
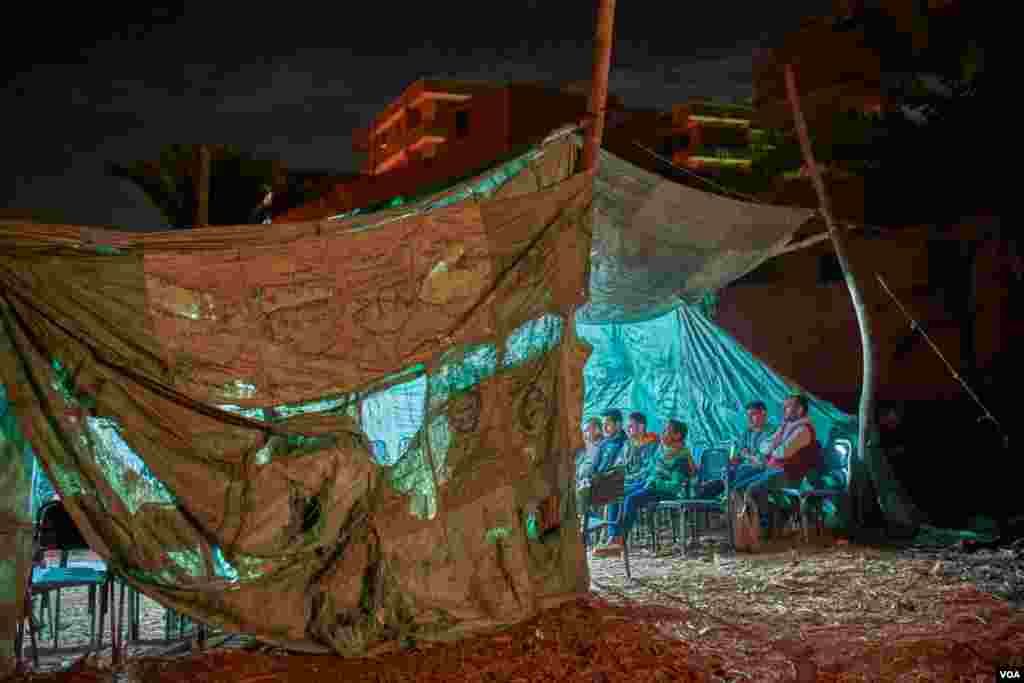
x: 592, y: 437
x: 609, y: 455
x: 610, y: 452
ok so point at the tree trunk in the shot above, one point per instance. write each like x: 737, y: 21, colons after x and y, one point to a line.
x: 856, y: 483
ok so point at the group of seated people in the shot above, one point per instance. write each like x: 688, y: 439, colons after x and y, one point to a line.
x: 765, y: 459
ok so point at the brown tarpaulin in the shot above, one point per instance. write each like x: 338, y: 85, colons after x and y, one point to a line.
x: 144, y: 336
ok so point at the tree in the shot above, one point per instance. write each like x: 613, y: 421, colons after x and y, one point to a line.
x: 912, y: 156
x: 238, y: 181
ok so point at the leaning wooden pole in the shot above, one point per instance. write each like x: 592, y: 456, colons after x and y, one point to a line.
x: 203, y: 187
x: 599, y: 82
x: 867, y: 389
x: 571, y: 372
x: 592, y: 145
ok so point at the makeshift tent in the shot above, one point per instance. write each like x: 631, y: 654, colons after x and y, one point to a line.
x: 683, y: 366
x: 204, y: 401
x: 660, y: 247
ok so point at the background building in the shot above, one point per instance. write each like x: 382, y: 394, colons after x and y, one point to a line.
x: 436, y: 132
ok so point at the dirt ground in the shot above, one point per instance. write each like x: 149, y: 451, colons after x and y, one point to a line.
x: 830, y: 611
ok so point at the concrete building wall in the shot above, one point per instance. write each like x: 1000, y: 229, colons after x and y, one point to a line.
x: 807, y: 330
x: 535, y: 110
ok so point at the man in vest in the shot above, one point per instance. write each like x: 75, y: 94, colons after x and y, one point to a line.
x: 793, y: 453
x: 794, y: 446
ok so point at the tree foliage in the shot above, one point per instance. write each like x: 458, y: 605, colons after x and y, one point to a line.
x: 912, y: 155
x: 238, y: 181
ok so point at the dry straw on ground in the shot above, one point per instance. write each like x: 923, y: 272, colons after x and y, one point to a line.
x: 827, y: 612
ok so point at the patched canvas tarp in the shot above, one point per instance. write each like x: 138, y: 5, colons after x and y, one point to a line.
x: 16, y: 464
x: 230, y: 364
x: 202, y: 400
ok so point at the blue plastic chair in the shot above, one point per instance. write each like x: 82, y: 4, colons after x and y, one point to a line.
x: 815, y: 497
x: 55, y: 530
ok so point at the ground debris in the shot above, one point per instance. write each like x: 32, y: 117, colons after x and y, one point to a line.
x: 828, y: 611
x: 585, y: 640
x: 832, y: 612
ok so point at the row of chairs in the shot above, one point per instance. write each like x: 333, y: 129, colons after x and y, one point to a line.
x: 56, y: 532
x: 683, y: 513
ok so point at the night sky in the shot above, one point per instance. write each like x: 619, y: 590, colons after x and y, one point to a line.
x: 291, y: 80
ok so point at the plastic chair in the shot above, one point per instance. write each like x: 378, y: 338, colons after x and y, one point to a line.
x: 606, y: 489
x: 713, y: 464
x: 843, y: 450
x: 55, y: 530
x: 798, y: 501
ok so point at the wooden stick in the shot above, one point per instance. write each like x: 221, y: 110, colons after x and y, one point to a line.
x: 203, y: 187
x: 809, y: 241
x: 866, y: 417
x: 599, y: 93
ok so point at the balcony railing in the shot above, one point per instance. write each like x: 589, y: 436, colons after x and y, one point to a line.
x: 407, y: 139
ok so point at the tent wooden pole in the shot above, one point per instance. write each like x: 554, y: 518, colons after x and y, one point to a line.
x: 603, y: 34
x: 856, y: 296
x: 599, y: 81
x: 203, y: 187
x: 574, y: 561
